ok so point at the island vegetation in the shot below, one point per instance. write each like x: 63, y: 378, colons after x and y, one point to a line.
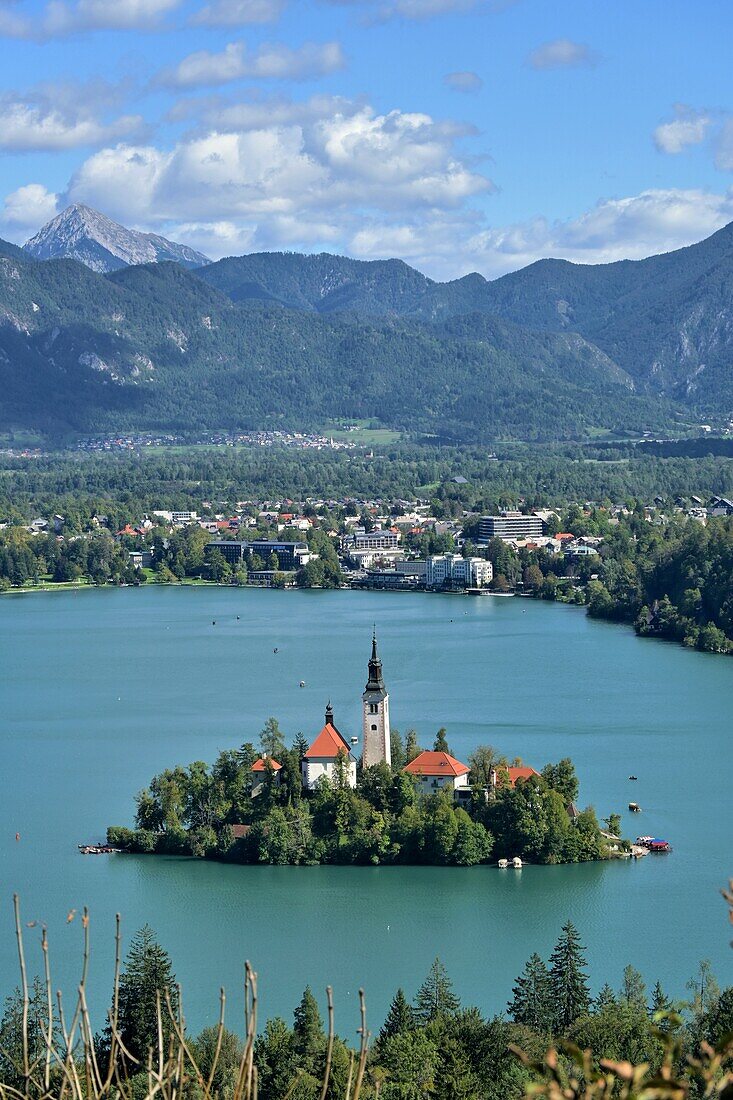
x: 625, y: 1041
x: 211, y: 813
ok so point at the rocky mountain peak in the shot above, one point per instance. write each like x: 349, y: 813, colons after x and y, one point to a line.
x: 81, y: 233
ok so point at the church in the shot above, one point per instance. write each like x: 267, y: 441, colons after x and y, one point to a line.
x: 322, y: 757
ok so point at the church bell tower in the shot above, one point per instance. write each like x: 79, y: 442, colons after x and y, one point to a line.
x: 375, y: 712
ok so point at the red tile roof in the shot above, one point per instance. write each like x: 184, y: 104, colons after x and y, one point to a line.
x: 436, y: 763
x: 328, y: 745
x: 261, y: 764
x: 239, y: 831
x: 518, y: 773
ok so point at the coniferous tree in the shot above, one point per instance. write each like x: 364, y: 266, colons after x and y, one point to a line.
x: 300, y: 745
x: 568, y: 980
x: 435, y: 997
x: 147, y: 976
x: 606, y: 999
x: 660, y: 1000
x: 401, y: 1017
x: 633, y: 990
x: 308, y: 1035
x: 531, y: 1004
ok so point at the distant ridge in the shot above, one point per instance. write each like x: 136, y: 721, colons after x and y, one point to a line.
x: 81, y: 233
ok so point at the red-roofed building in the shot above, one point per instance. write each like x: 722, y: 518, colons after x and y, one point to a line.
x: 260, y: 769
x: 435, y: 771
x: 509, y: 777
x: 323, y: 754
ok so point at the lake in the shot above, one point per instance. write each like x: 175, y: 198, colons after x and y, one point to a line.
x: 102, y: 689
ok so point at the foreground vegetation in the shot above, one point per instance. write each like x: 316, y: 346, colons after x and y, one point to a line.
x: 623, y: 1043
x: 192, y: 811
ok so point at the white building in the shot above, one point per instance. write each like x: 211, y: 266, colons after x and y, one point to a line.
x: 371, y: 540
x: 260, y: 768
x: 452, y: 569
x: 322, y: 757
x: 376, y: 739
x: 437, y: 771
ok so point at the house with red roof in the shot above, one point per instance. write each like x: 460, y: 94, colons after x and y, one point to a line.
x: 324, y: 754
x: 437, y: 771
x: 509, y: 777
x: 260, y: 769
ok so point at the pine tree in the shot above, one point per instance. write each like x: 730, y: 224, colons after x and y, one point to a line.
x: 435, y: 997
x: 660, y: 1000
x: 532, y: 1001
x: 633, y: 990
x: 568, y: 980
x: 412, y: 749
x: 309, y: 1038
x: 147, y: 975
x: 272, y: 740
x: 300, y: 745
x: 606, y: 999
x: 400, y: 1018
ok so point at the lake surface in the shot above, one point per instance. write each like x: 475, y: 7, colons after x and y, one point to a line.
x: 102, y: 689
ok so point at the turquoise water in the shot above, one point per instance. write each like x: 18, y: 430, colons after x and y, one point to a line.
x: 102, y: 689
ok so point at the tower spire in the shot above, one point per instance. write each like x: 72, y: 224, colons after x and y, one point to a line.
x: 376, y: 680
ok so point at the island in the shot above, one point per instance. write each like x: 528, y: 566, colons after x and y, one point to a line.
x: 316, y: 803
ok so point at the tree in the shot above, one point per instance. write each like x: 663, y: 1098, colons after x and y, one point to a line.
x: 147, y: 978
x: 561, y: 777
x: 435, y: 997
x: 568, y: 980
x: 300, y: 745
x: 272, y: 739
x: 441, y: 743
x: 12, y: 1070
x: 308, y: 1034
x: 412, y: 748
x: 400, y: 1018
x: 225, y: 1065
x: 633, y: 990
x: 532, y: 1003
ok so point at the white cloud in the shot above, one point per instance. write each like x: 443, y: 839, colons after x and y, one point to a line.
x: 26, y: 209
x: 463, y: 82
x: 286, y: 175
x: 239, y: 13
x: 379, y: 10
x: 688, y: 127
x: 268, y: 62
x: 57, y: 118
x: 61, y: 17
x: 562, y: 53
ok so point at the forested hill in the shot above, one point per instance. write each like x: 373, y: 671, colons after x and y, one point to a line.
x: 667, y: 321
x: 556, y: 351
x: 156, y: 347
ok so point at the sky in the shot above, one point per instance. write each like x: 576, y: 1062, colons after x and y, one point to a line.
x: 458, y: 135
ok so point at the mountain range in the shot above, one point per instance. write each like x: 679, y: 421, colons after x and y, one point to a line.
x: 554, y: 351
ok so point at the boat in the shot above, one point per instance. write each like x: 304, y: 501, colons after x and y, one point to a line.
x: 302, y: 684
x: 635, y: 807
x: 503, y: 863
x: 653, y: 844
x: 517, y: 863
x: 633, y: 777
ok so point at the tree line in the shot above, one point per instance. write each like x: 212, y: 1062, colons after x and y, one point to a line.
x: 429, y: 1047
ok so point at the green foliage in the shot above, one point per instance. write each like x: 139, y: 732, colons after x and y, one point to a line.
x: 532, y: 1001
x: 435, y: 997
x: 568, y: 980
x: 147, y: 978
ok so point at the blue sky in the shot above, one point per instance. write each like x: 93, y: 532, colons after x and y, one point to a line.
x: 460, y: 135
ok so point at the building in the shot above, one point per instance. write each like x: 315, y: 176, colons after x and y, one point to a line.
x: 438, y: 771
x: 370, y: 540
x: 290, y: 555
x: 452, y: 570
x: 376, y: 733
x: 259, y: 771
x: 510, y: 525
x: 509, y: 777
x: 322, y: 756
